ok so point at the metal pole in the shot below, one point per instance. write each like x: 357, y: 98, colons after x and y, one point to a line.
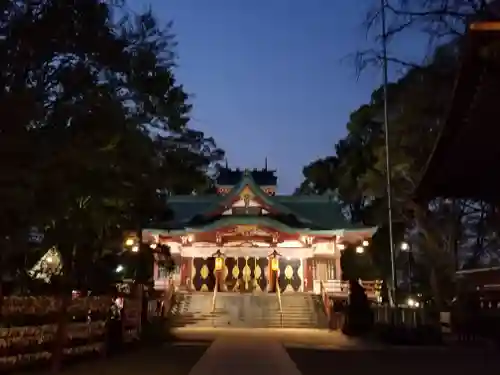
x: 387, y: 153
x: 409, y: 271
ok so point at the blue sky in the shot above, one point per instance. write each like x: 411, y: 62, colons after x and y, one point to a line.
x: 272, y: 77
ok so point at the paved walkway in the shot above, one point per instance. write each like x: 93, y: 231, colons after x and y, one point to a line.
x: 246, y: 356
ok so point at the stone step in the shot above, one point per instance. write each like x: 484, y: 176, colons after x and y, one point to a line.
x: 238, y: 310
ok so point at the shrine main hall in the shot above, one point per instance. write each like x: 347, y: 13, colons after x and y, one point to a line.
x: 247, y: 234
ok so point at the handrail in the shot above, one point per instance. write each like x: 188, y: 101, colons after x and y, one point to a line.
x: 326, y: 300
x: 214, y: 297
x: 278, y: 293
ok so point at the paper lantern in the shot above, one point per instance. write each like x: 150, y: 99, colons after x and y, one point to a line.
x: 274, y: 264
x: 219, y: 263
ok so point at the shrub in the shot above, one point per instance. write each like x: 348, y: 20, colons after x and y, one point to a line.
x: 359, y: 317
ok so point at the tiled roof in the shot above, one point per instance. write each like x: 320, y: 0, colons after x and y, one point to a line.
x: 314, y: 212
x: 231, y: 177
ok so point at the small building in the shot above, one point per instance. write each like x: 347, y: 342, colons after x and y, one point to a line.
x: 467, y: 149
x: 480, y: 278
x: 294, y: 240
x: 467, y: 154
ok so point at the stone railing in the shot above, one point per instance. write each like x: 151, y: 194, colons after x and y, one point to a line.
x: 340, y: 288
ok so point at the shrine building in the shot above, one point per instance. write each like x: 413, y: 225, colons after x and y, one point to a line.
x: 246, y: 233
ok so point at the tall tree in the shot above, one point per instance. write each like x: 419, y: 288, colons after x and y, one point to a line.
x: 417, y: 109
x: 438, y: 21
x: 82, y: 93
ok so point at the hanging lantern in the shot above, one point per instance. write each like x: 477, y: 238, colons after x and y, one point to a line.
x: 275, y: 264
x: 219, y: 263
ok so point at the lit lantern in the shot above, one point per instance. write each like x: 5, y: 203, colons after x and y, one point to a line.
x: 275, y: 264
x: 129, y: 242
x: 219, y: 263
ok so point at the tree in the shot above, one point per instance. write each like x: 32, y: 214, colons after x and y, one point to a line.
x: 440, y: 22
x: 417, y: 110
x: 443, y: 231
x: 83, y: 93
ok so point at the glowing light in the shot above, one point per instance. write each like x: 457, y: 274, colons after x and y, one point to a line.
x: 365, y: 243
x: 340, y: 246
x: 405, y: 246
x: 129, y: 242
x: 360, y: 250
x: 135, y: 248
x: 49, y: 259
x: 119, y: 268
x: 153, y: 246
x: 412, y: 303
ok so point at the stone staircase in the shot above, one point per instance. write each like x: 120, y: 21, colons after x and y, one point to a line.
x: 300, y: 310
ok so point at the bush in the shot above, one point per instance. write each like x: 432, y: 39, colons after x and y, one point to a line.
x: 359, y: 317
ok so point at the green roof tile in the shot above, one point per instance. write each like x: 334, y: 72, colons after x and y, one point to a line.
x: 319, y: 212
x: 185, y: 207
x: 249, y: 220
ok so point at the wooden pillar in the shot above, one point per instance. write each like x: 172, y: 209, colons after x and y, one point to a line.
x: 186, y: 271
x: 338, y: 267
x: 155, y: 270
x: 307, y: 269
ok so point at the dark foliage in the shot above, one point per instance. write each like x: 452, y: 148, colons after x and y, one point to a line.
x: 359, y: 317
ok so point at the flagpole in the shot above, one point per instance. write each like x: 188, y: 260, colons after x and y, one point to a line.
x: 387, y: 154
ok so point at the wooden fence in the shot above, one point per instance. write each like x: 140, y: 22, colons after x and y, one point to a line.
x: 28, y: 327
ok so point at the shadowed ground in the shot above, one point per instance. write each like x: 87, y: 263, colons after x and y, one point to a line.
x: 286, y: 352
x: 172, y: 359
x: 403, y: 361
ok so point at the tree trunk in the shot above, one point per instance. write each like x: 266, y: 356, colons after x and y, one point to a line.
x: 1, y: 300
x: 390, y: 296
x: 62, y: 332
x: 436, y: 290
x: 67, y: 253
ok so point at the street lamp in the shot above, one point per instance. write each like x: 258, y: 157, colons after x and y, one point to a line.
x: 129, y: 242
x: 360, y: 250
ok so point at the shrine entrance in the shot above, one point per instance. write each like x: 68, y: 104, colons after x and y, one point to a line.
x: 245, y: 274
